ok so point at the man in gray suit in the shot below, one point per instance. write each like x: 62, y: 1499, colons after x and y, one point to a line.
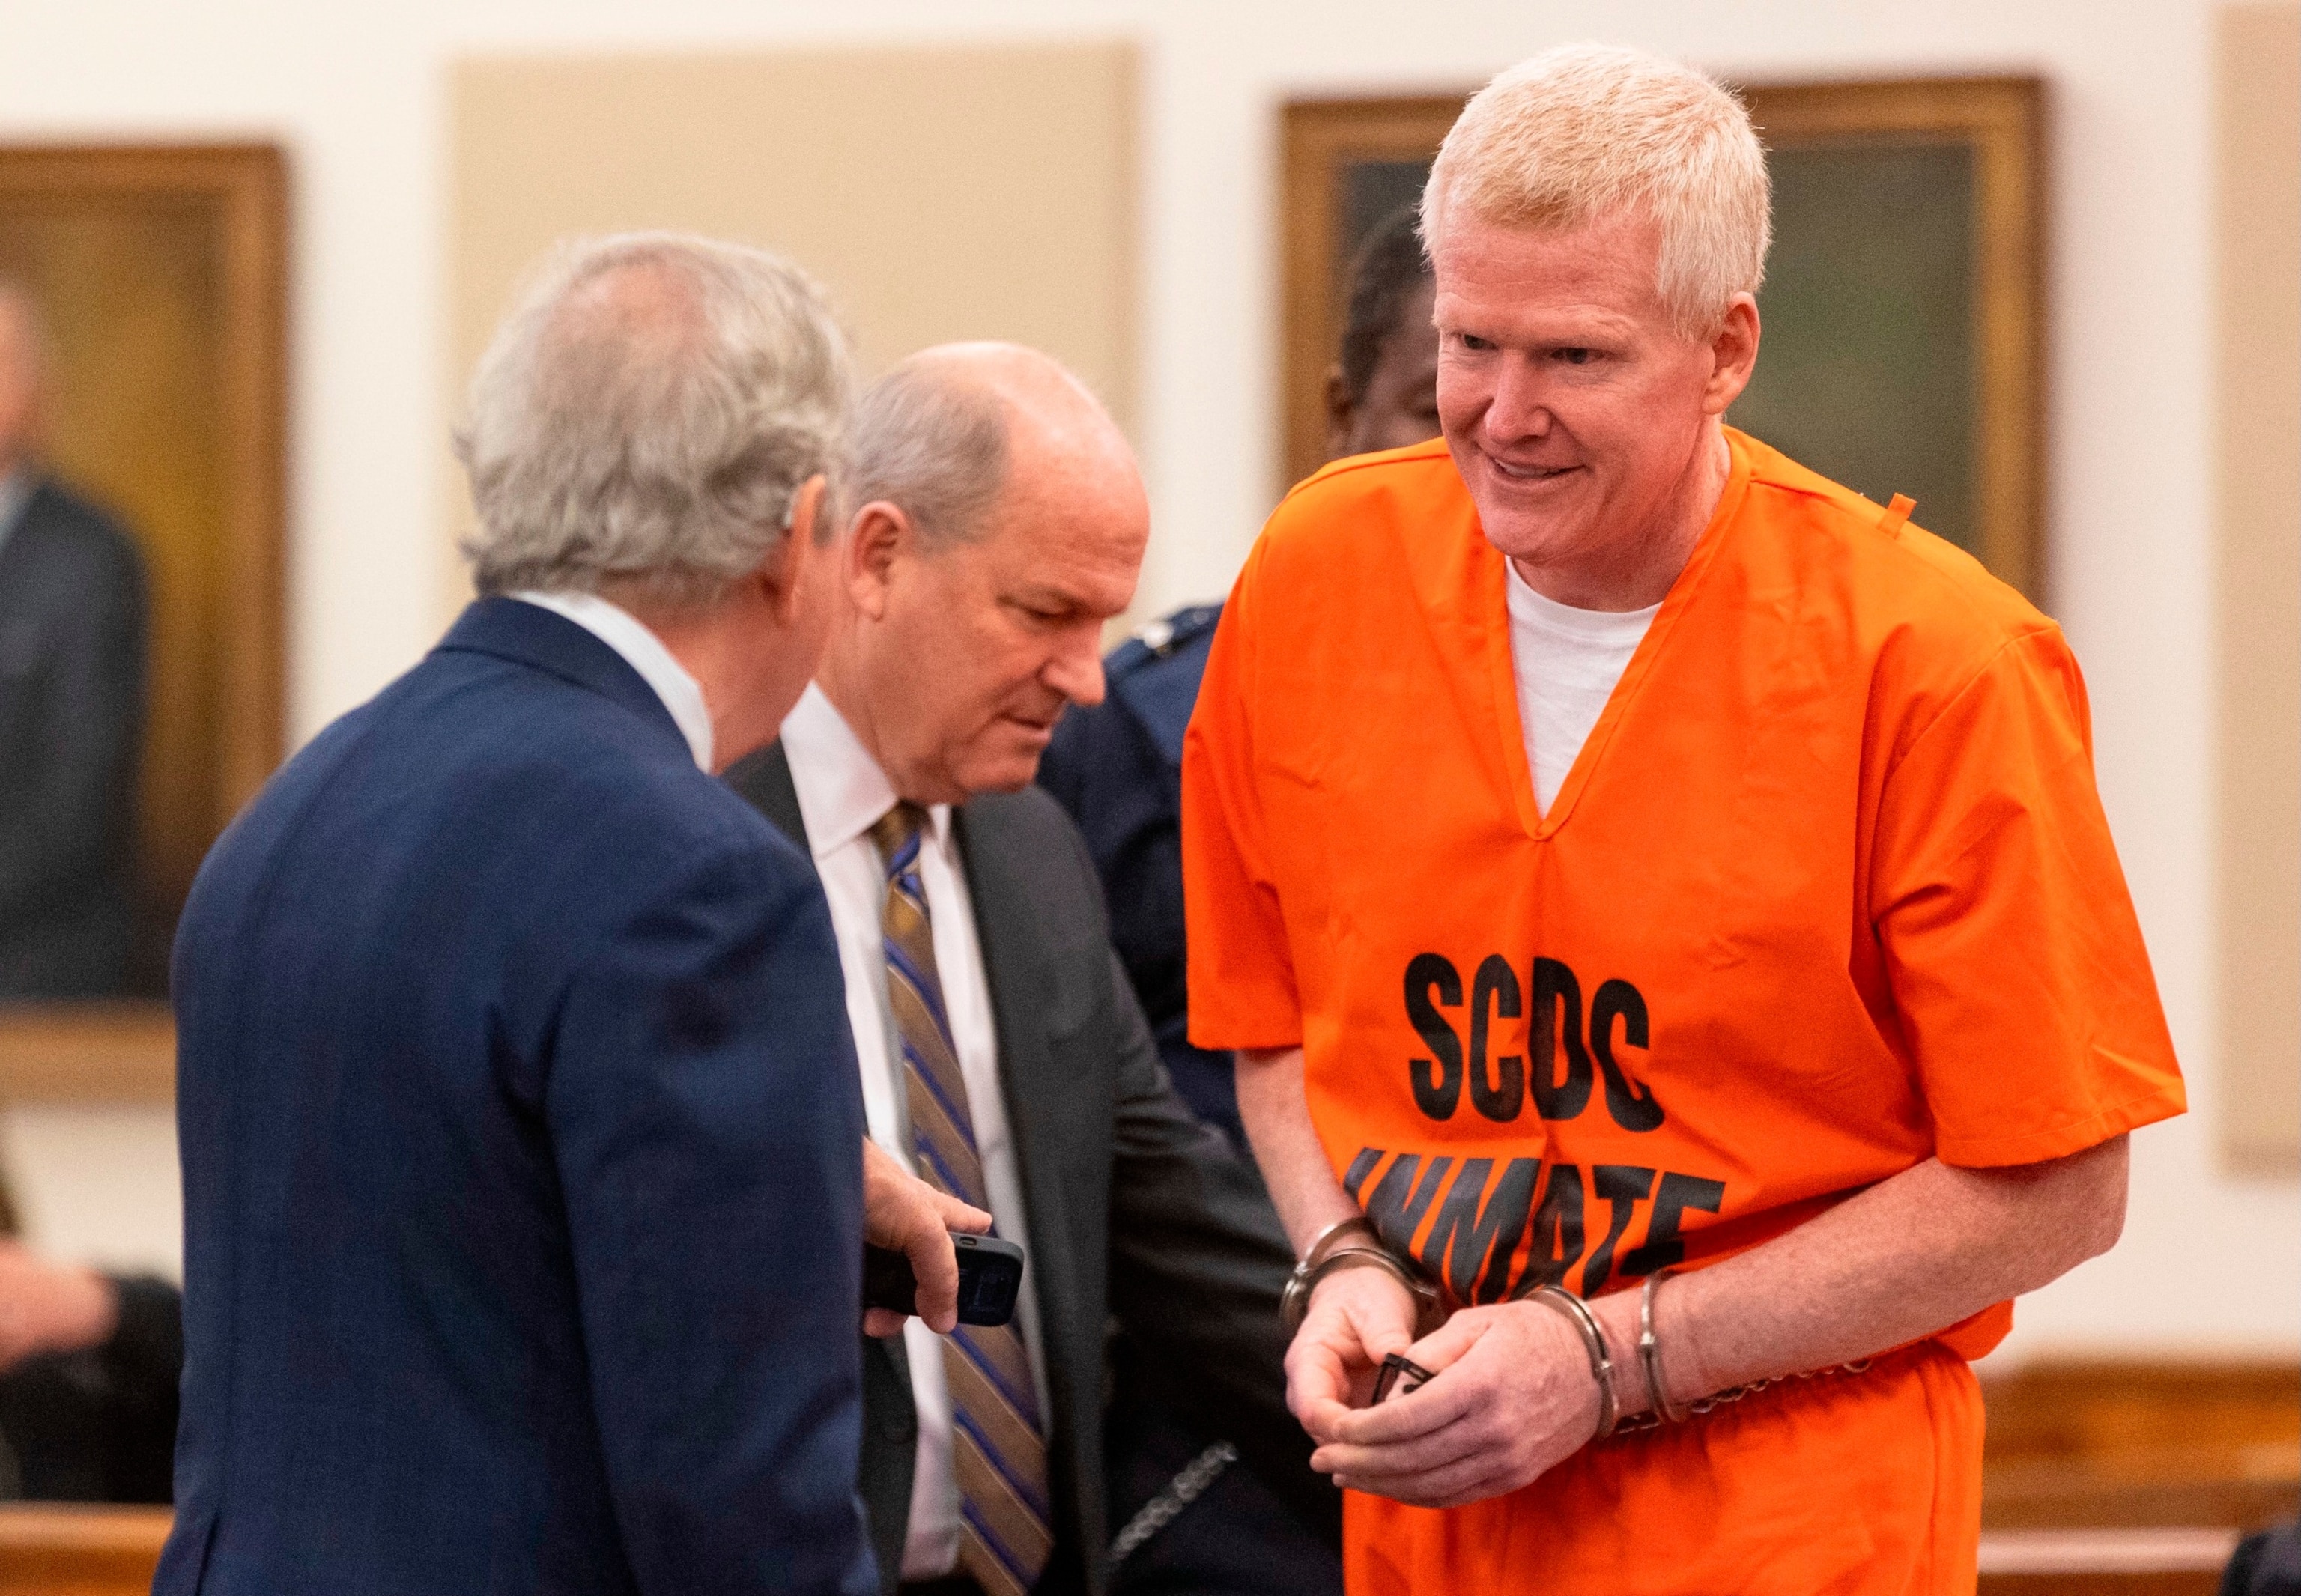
x: 72, y: 706
x: 996, y: 521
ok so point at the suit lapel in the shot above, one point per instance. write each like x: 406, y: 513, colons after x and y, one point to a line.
x: 765, y: 778
x: 1021, y: 995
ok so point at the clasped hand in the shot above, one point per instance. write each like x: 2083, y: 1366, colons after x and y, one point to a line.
x: 1512, y: 1397
x: 50, y: 1307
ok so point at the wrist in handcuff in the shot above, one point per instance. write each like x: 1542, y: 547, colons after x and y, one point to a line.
x: 1354, y: 1244
x: 1629, y: 1378
x: 1629, y: 1383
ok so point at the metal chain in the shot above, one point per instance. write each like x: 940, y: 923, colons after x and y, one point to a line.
x: 1638, y: 1423
x: 1184, y: 1489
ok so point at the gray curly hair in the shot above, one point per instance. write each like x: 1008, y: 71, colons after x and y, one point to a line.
x: 649, y: 412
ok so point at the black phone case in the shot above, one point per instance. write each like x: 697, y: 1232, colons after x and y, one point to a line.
x: 990, y: 1279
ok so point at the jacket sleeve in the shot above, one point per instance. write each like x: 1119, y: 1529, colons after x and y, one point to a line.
x: 1198, y: 1259
x: 707, y: 1120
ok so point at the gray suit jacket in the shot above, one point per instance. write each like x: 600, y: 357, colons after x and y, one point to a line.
x: 1141, y: 1216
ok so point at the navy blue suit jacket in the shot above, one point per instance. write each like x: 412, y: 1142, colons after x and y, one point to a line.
x: 521, y: 1138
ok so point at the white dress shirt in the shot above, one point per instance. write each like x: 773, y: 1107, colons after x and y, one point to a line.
x: 841, y: 793
x: 644, y: 652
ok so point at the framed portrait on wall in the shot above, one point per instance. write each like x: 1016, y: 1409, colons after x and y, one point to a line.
x: 1902, y: 307
x: 141, y: 685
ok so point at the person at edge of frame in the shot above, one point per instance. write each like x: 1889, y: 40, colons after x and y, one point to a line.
x: 89, y: 1361
x: 75, y: 622
x: 89, y: 1366
x: 1118, y: 767
x: 1684, y: 984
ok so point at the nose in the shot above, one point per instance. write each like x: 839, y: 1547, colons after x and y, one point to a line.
x: 1520, y: 411
x: 1075, y: 669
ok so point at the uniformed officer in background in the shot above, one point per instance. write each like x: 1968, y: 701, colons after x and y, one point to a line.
x: 1118, y: 767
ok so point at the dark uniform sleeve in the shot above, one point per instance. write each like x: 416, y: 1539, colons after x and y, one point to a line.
x: 1116, y: 767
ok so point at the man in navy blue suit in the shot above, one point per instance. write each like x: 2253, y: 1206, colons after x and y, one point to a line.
x: 525, y: 1201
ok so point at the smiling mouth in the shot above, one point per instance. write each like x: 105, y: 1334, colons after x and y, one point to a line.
x: 1529, y: 473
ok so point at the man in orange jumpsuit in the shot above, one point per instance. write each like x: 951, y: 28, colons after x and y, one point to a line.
x: 1679, y: 966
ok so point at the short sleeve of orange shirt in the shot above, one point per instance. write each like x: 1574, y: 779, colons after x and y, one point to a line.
x: 1829, y: 890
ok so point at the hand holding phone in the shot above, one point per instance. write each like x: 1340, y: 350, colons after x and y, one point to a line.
x: 990, y: 1279
x: 905, y: 1215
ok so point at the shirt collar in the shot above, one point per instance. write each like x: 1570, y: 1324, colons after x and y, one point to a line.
x: 644, y: 652
x: 16, y: 489
x: 843, y: 792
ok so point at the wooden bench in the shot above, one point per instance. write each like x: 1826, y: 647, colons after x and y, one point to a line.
x: 2132, y: 1479
x: 55, y: 1549
x: 2099, y: 1479
x: 2127, y: 1562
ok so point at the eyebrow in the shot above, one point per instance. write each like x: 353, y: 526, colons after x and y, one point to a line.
x: 1603, y: 327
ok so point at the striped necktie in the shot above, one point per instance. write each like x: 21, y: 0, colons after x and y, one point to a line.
x: 997, y: 1447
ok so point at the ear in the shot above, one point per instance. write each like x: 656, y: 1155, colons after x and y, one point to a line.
x: 881, y: 534
x: 1733, y: 356
x: 797, y: 559
x: 1339, y: 412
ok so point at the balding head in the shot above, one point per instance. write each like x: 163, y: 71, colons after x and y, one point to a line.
x: 940, y: 433
x: 23, y: 371
x: 997, y: 520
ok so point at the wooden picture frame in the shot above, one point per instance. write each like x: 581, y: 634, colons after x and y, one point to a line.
x: 162, y: 269
x: 1988, y: 350
x: 1321, y: 142
x: 2000, y: 122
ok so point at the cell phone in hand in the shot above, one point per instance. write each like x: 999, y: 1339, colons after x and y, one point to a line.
x: 1399, y: 1375
x: 990, y: 1279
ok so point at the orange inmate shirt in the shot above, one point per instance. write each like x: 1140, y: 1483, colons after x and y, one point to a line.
x: 1827, y: 892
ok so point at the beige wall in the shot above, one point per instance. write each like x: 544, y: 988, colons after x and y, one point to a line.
x: 2259, y: 596
x: 940, y: 194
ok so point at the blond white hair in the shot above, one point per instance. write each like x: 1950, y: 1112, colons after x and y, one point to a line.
x: 1582, y: 132
x: 648, y: 412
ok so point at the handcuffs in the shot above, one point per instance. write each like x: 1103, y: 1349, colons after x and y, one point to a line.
x: 1354, y: 1244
